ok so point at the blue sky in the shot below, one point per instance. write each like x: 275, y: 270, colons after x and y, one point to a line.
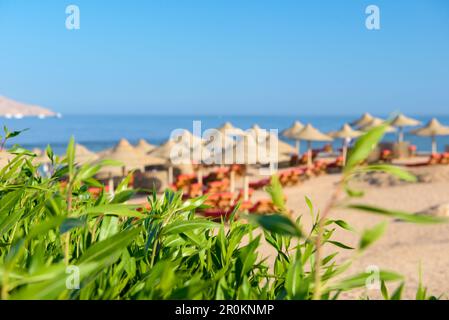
x: 227, y: 56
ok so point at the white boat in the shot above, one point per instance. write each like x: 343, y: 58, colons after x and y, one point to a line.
x: 18, y: 116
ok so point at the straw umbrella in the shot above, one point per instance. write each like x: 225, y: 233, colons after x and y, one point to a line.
x: 228, y: 129
x: 186, y: 135
x: 364, y: 120
x: 226, y: 133
x: 244, y: 152
x: 84, y: 155
x: 124, y: 152
x: 167, y: 152
x: 284, y: 150
x: 346, y: 133
x: 5, y: 158
x: 376, y: 122
x: 144, y: 146
x: 291, y: 133
x: 309, y: 134
x: 432, y: 129
x: 402, y: 121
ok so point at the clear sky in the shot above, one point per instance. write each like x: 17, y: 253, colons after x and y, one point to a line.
x: 227, y: 56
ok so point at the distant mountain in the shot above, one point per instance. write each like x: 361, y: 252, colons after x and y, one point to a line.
x: 13, y: 109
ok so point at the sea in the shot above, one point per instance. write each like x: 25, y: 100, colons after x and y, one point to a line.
x: 98, y: 132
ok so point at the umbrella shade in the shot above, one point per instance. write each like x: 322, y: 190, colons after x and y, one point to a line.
x: 432, y: 129
x: 346, y: 132
x: 310, y: 133
x: 243, y: 152
x: 293, y: 130
x: 404, y: 121
x: 84, y: 155
x: 132, y: 159
x: 256, y: 131
x: 186, y: 135
x: 284, y: 150
x: 171, y: 151
x: 364, y: 120
x: 144, y: 146
x: 5, y: 157
x: 228, y: 129
x: 378, y: 122
x: 41, y: 156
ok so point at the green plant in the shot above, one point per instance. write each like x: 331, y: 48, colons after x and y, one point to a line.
x: 49, y: 225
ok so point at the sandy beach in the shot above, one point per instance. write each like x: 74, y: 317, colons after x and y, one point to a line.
x: 404, y: 245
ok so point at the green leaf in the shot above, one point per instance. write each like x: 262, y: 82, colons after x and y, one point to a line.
x: 9, y: 135
x: 123, y: 196
x: 55, y: 285
x: 384, y: 290
x: 340, y: 245
x: 184, y: 226
x: 70, y: 153
x: 88, y: 171
x: 277, y: 223
x: 371, y: 235
x: 123, y: 185
x: 9, y: 201
x: 360, y: 280
x: 71, y: 223
x: 343, y: 224
x: 397, y: 294
x: 392, y: 170
x: 105, y: 248
x: 364, y: 146
x: 50, y: 153
x: 404, y: 216
x: 354, y: 193
x: 276, y: 193
x: 310, y: 206
x: 118, y: 209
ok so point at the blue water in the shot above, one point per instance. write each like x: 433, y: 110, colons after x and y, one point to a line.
x: 100, y: 132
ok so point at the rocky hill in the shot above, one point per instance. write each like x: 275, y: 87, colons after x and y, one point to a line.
x: 13, y: 109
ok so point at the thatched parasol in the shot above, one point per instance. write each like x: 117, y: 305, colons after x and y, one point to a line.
x: 5, y: 158
x: 284, y: 150
x: 131, y: 158
x: 432, y: 129
x: 84, y: 155
x: 226, y: 132
x: 364, y: 120
x: 144, y: 146
x: 176, y: 155
x: 401, y: 121
x: 309, y: 134
x: 256, y: 131
x: 376, y: 122
x: 228, y: 129
x: 292, y: 132
x: 346, y: 133
x: 186, y: 135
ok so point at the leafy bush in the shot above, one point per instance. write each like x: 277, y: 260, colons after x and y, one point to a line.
x: 50, y: 226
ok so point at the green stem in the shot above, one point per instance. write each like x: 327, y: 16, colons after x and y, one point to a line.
x: 319, y: 239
